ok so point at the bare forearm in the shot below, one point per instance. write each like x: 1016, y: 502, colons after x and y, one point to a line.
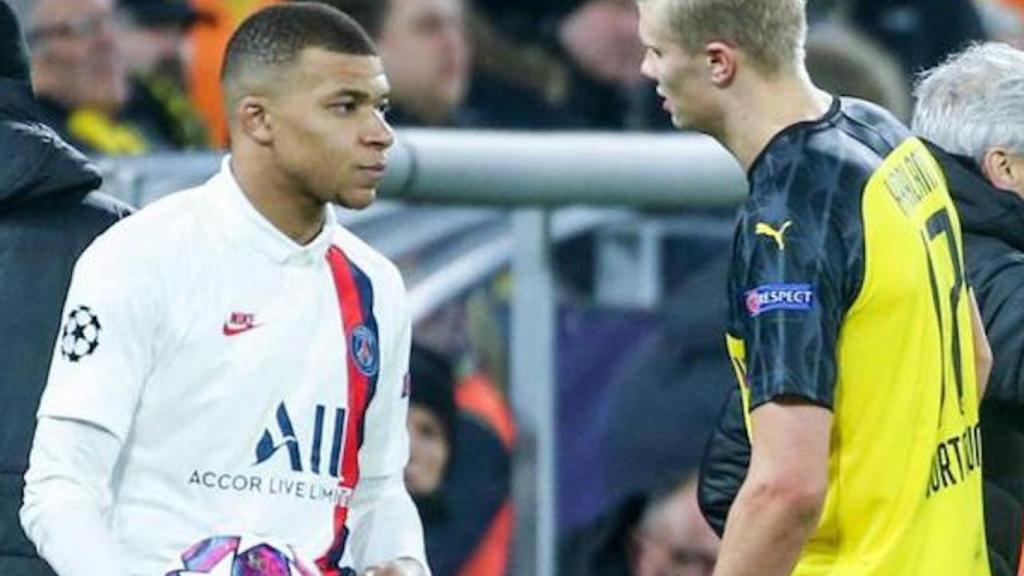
x: 764, y: 534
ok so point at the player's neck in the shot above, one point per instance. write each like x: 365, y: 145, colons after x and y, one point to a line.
x: 769, y: 107
x: 296, y: 215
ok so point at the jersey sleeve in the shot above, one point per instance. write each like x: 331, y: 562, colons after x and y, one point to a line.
x: 103, y: 348
x: 794, y: 284
x: 386, y: 447
x: 385, y: 523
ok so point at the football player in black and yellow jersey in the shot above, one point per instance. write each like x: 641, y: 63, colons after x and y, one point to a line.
x: 852, y: 330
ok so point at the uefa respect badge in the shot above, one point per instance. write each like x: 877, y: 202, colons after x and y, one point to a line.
x: 768, y: 297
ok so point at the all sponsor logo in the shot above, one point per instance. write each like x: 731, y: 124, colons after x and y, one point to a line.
x: 313, y: 462
x: 768, y: 297
x: 320, y: 457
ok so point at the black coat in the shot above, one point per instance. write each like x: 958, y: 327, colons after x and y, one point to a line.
x: 48, y: 215
x: 992, y: 221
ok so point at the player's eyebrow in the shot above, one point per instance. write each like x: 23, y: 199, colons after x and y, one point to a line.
x: 359, y: 95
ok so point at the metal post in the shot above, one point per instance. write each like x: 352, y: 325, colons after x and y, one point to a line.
x: 533, y: 391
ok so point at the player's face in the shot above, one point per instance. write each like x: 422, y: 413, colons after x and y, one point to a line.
x: 681, y: 77
x: 428, y: 452
x: 330, y: 135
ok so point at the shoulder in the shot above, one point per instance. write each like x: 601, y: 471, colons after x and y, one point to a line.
x: 156, y: 236
x: 822, y: 167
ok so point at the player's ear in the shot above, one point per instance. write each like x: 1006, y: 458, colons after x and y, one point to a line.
x: 255, y: 119
x: 721, y: 63
x: 998, y: 167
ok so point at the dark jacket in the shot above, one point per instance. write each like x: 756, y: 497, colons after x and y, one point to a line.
x: 48, y: 215
x: 992, y: 222
x: 476, y: 485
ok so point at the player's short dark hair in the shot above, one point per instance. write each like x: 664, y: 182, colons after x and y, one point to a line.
x: 277, y: 35
x: 370, y: 14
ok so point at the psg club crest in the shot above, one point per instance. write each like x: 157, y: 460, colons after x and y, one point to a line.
x: 364, y: 351
x: 80, y: 335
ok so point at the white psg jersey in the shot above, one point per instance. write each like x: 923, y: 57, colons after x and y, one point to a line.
x: 251, y: 381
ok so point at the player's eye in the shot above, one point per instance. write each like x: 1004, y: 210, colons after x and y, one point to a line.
x: 344, y: 106
x: 384, y: 107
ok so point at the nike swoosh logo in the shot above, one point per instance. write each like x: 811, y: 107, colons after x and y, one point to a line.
x: 234, y: 330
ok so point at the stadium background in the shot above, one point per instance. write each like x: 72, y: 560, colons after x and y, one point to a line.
x: 558, y: 248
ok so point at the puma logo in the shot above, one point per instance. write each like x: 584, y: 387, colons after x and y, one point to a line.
x: 763, y: 229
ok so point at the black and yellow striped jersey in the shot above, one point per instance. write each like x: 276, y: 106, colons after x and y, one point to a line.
x: 847, y: 289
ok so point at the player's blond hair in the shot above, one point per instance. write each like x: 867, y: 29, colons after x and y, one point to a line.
x: 770, y: 32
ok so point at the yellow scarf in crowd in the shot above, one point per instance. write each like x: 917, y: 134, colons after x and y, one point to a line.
x: 104, y: 134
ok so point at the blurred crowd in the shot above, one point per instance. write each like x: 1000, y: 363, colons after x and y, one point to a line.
x: 123, y: 77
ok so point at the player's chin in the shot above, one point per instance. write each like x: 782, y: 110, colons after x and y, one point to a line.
x: 358, y: 197
x: 679, y: 121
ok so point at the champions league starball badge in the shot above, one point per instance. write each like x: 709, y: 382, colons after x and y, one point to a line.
x: 80, y: 335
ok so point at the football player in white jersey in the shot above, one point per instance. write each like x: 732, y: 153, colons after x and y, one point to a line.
x: 232, y: 363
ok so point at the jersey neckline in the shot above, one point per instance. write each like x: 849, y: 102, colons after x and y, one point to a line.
x: 834, y: 108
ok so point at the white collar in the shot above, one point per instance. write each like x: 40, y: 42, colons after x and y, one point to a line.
x: 254, y: 230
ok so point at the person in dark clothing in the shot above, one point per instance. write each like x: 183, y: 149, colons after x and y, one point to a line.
x: 918, y: 33
x: 48, y: 215
x: 970, y: 108
x: 83, y: 84
x: 154, y: 37
x: 459, y: 472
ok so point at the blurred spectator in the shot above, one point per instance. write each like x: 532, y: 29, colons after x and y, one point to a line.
x: 845, y: 62
x: 581, y: 56
x: 919, y: 33
x: 660, y: 533
x: 157, y: 55
x: 209, y: 40
x: 79, y: 74
x: 426, y: 53
x: 48, y: 215
x: 458, y: 474
x: 1003, y: 21
x: 599, y: 39
x: 600, y: 36
x: 82, y: 80
x: 498, y: 65
x: 970, y: 107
